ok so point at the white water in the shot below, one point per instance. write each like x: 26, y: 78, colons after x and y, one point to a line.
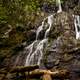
x: 30, y: 47
x: 58, y: 2
x: 50, y: 20
x: 77, y: 26
x: 35, y: 56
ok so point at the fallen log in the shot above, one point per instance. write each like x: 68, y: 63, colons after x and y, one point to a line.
x: 33, y: 72
x: 57, y: 73
x: 24, y: 68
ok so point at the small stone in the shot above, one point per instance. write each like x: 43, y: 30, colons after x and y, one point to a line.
x: 57, y: 62
x: 67, y: 57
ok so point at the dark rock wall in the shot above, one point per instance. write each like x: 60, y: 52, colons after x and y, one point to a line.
x: 63, y: 50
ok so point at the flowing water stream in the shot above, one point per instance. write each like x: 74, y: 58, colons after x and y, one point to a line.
x: 77, y: 26
x: 58, y: 2
x: 35, y: 54
x: 50, y: 20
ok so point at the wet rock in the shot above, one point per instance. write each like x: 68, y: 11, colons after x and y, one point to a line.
x: 67, y: 57
x: 69, y: 4
x: 31, y: 35
x: 41, y: 36
x: 51, y: 64
x: 62, y: 22
x: 49, y: 8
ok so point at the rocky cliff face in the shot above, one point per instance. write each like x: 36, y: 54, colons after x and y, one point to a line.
x: 62, y: 49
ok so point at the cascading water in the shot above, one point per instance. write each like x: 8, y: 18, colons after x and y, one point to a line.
x: 58, y: 2
x: 50, y: 19
x: 30, y: 48
x: 35, y: 56
x: 77, y: 26
x: 60, y: 8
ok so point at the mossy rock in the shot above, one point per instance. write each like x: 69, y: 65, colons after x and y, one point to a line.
x: 77, y: 10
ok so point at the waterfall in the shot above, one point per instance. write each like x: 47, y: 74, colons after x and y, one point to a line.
x: 35, y: 50
x: 35, y: 55
x: 58, y: 2
x: 77, y: 26
x: 30, y: 47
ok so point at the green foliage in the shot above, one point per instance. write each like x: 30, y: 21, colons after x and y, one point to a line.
x: 3, y: 16
x: 14, y: 11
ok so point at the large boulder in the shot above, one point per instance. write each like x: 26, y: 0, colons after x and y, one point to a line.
x: 62, y: 22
